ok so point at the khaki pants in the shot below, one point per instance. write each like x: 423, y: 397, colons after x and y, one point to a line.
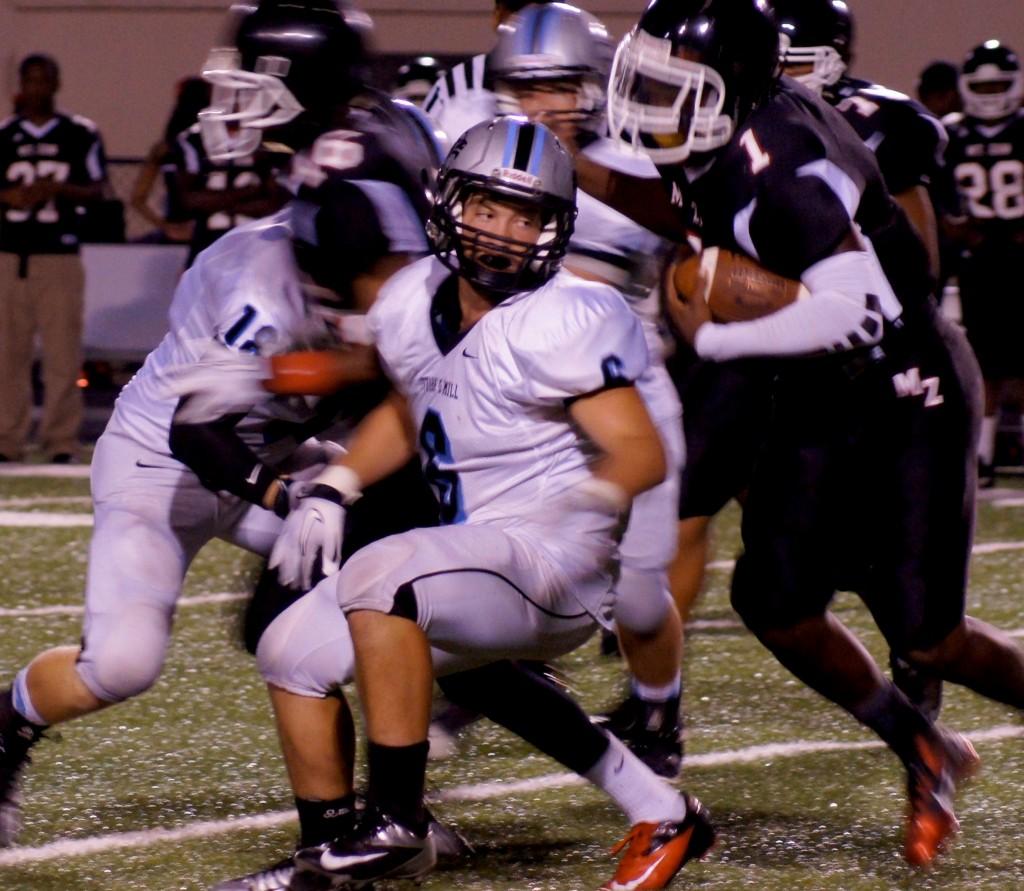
x: 48, y: 302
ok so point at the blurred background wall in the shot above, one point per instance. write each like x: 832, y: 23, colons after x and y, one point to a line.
x: 121, y: 58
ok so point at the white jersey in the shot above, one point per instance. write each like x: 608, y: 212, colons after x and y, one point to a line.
x: 244, y: 291
x: 460, y: 99
x: 491, y: 406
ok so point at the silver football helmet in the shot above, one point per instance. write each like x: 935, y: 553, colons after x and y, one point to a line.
x: 510, y: 159
x: 553, y: 42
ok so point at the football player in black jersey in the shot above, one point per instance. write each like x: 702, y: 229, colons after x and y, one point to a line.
x: 908, y: 142
x: 866, y: 471
x: 986, y: 161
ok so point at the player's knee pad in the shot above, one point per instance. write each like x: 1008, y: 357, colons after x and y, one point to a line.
x: 642, y: 600
x: 125, y: 658
x: 307, y: 649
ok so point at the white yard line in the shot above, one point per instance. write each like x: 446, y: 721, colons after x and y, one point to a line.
x: 43, y: 519
x: 475, y: 792
x: 43, y: 499
x: 52, y: 471
x: 197, y: 600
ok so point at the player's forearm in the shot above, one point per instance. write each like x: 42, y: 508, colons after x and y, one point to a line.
x: 917, y: 205
x: 215, y: 453
x: 642, y: 200
x: 382, y: 443
x: 843, y: 312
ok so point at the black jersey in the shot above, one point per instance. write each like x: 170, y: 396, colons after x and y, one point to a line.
x: 908, y: 141
x: 189, y: 159
x: 68, y: 149
x: 986, y: 161
x: 790, y: 186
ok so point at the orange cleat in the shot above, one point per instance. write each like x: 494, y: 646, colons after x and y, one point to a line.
x: 942, y: 761
x: 655, y: 852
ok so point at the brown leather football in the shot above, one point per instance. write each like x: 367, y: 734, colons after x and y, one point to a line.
x: 735, y: 287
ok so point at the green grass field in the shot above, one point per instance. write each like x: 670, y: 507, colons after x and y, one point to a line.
x: 154, y: 784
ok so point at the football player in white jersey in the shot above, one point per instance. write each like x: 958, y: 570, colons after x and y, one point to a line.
x: 161, y: 488
x: 551, y: 64
x: 464, y: 95
x: 515, y: 382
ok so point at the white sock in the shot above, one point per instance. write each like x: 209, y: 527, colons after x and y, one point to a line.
x: 643, y: 796
x: 987, y: 443
x: 23, y: 702
x: 653, y: 693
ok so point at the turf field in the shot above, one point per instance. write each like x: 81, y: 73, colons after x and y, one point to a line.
x: 184, y: 786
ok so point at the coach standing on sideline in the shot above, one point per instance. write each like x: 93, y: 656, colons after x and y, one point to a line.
x: 50, y: 165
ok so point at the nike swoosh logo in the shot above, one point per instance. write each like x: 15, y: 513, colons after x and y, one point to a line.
x: 332, y: 862
x: 254, y: 475
x: 468, y: 355
x: 157, y: 466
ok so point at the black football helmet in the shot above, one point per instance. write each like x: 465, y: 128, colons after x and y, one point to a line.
x: 689, y: 73
x: 818, y: 33
x: 991, y: 83
x: 284, y: 66
x: 508, y: 158
x: 416, y: 78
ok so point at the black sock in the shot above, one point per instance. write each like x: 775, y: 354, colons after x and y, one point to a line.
x: 890, y: 714
x: 396, y: 778
x: 532, y: 707
x: 321, y: 821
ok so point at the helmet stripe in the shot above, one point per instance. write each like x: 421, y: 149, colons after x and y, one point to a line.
x: 537, y: 152
x: 523, y: 149
x: 511, y: 139
x: 547, y: 20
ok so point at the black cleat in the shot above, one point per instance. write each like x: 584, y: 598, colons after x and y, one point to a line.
x: 986, y: 476
x: 609, y: 644
x: 17, y: 736
x: 449, y: 843
x: 652, y: 730
x: 274, y: 878
x: 377, y: 847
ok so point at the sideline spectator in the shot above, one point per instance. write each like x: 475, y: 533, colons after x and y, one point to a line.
x: 51, y: 164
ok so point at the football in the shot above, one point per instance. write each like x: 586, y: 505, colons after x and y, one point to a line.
x: 735, y: 287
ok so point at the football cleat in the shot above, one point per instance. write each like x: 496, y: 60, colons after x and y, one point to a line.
x: 274, y: 878
x: 655, y: 852
x: 17, y: 736
x: 939, y: 764
x: 377, y: 847
x: 445, y: 728
x: 448, y: 842
x: 652, y: 730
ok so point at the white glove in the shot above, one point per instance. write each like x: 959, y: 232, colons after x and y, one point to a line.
x: 314, y: 526
x: 222, y: 382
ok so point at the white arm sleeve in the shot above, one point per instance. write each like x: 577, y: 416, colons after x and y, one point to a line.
x: 845, y: 310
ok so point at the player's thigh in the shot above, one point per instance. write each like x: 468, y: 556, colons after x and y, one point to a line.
x: 793, y: 533
x: 474, y: 590
x: 725, y: 411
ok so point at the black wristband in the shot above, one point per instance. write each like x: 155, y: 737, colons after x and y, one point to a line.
x: 327, y: 493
